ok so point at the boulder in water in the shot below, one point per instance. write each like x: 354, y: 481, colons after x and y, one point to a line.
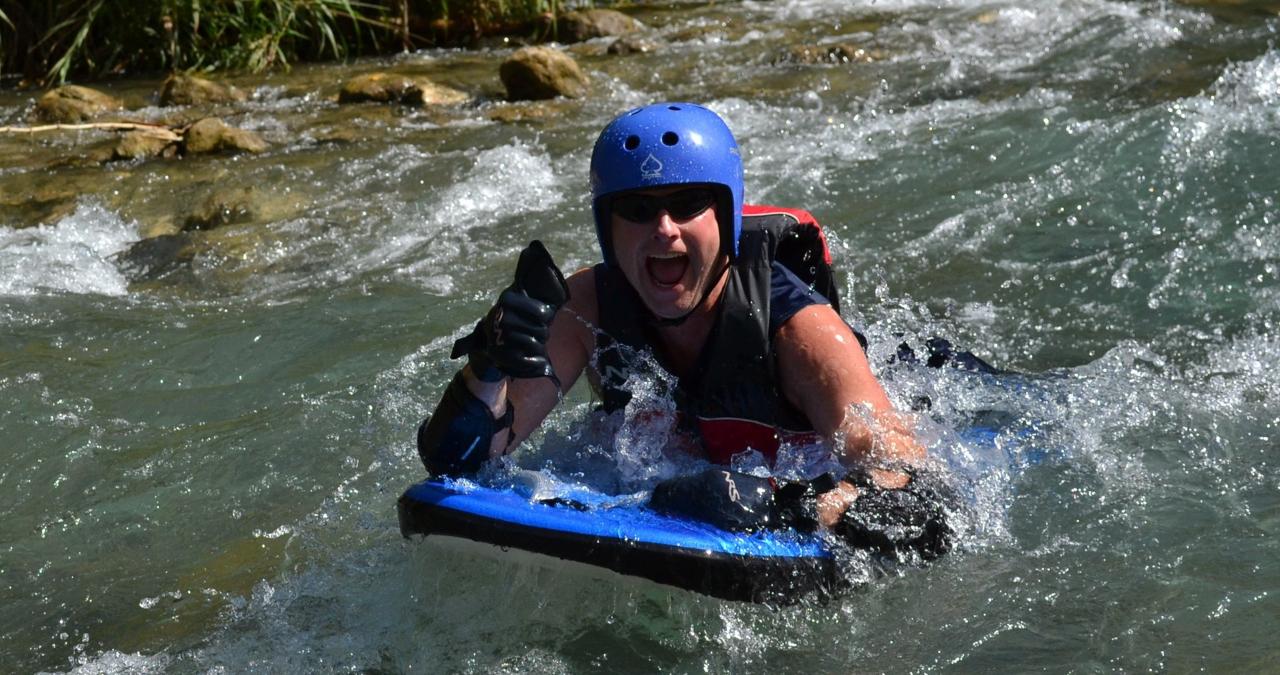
x: 536, y: 73
x: 158, y: 226
x: 142, y: 145
x: 532, y: 111
x: 224, y: 205
x: 73, y: 103
x: 1238, y: 10
x: 232, y: 206
x: 582, y: 25
x: 211, y: 134
x: 182, y: 89
x: 155, y: 257
x: 632, y: 44
x: 42, y: 206
x: 838, y: 53
x: 392, y: 88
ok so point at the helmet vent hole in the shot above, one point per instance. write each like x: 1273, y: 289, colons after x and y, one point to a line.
x: 673, y: 107
x: 670, y: 138
x: 632, y: 142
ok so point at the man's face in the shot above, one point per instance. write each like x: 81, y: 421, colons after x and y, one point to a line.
x: 667, y: 252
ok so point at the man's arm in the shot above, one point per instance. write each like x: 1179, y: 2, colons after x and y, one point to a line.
x: 451, y: 437
x: 824, y: 372
x: 569, y: 349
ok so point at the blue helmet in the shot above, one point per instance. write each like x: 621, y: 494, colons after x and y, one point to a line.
x: 667, y: 144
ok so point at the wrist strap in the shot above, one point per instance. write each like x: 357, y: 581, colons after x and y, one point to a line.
x: 456, y: 438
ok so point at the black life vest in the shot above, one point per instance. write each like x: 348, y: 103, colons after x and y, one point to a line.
x: 732, y: 398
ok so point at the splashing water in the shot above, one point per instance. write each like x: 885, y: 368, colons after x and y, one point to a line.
x: 70, y: 256
x: 202, y: 467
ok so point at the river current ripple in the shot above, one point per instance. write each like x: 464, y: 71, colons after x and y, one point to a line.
x: 201, y: 463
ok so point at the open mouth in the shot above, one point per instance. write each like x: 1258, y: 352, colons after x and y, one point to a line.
x: 667, y: 269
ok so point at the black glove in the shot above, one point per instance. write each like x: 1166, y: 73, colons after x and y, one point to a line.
x: 736, y: 502
x: 795, y: 504
x: 511, y: 340
x: 740, y: 502
x: 913, y: 518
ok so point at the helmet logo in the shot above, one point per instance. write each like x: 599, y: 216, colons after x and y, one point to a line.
x: 650, y: 168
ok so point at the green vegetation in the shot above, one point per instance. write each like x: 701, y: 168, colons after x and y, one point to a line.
x: 48, y: 41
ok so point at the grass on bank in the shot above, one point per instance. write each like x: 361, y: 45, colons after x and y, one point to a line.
x: 49, y: 41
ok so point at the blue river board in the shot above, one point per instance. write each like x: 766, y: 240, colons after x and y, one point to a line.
x: 622, y: 535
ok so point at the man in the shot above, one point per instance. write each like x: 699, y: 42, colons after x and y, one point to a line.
x: 760, y: 357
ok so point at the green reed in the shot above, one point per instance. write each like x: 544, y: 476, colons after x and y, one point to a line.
x: 49, y: 41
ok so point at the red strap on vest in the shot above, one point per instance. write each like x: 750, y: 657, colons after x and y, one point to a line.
x: 801, y: 216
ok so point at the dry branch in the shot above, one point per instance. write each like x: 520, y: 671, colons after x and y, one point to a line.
x: 157, y: 130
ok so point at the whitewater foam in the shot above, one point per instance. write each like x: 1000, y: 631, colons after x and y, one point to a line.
x: 70, y: 256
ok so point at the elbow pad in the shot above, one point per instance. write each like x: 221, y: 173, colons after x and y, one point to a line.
x: 455, y: 440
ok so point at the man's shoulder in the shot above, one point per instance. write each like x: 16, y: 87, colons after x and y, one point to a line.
x: 808, y: 326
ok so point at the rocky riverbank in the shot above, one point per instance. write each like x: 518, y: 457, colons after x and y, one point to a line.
x: 68, y: 145
x: 62, y: 143
x: 183, y: 157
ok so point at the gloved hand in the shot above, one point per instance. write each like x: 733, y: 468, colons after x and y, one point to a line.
x: 731, y: 501
x: 892, y: 522
x: 913, y: 518
x: 511, y: 340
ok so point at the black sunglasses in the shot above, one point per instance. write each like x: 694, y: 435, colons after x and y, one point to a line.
x: 682, y: 205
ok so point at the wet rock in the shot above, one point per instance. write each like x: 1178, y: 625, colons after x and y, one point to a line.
x: 182, y: 89
x: 587, y: 50
x: 155, y: 257
x: 535, y: 111
x: 839, y: 53
x: 1237, y: 10
x: 44, y: 206
x: 98, y: 153
x: 223, y: 205
x: 375, y: 88
x: 536, y: 73
x: 954, y: 92
x: 579, y: 26
x: 142, y: 145
x: 632, y: 44
x: 241, y: 249
x: 233, y: 206
x: 696, y: 33
x: 495, y: 42
x: 73, y: 103
x: 158, y: 227
x: 211, y: 134
x: 1160, y: 83
x: 392, y: 88
x: 339, y: 136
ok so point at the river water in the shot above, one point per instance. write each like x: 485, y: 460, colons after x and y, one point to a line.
x: 202, y: 455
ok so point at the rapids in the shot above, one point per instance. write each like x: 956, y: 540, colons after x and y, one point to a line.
x: 203, y: 452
